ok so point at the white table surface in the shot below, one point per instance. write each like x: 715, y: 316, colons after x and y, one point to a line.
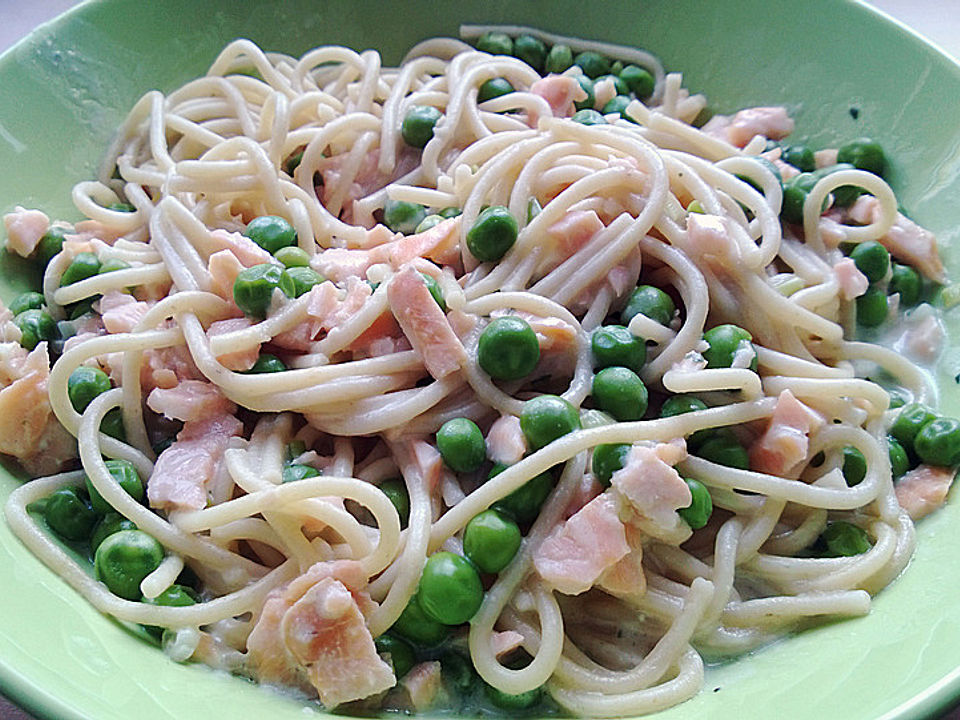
x: 937, y: 20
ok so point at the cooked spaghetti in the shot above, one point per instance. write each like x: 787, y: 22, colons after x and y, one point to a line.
x: 494, y: 355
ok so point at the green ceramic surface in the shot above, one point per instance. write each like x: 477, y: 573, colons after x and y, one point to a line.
x: 65, y: 88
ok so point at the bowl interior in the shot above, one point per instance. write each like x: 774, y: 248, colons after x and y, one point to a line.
x: 843, y: 69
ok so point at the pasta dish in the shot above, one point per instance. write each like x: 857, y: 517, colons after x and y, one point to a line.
x: 502, y: 378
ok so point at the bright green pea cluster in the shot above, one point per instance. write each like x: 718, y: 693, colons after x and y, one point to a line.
x: 630, y: 81
x: 933, y: 439
x: 122, y: 555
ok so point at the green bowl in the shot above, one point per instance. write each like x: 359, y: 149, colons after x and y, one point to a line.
x: 844, y: 71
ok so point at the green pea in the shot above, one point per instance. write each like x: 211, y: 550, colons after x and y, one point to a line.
x: 271, y: 232
x: 680, y: 404
x: 531, y: 50
x: 795, y: 192
x: 112, y: 265
x: 899, y: 461
x: 524, y: 503
x: 495, y: 43
x: 872, y: 307
x: 607, y: 459
x: 864, y: 154
x: 125, y: 475
x: 112, y: 424
x: 845, y: 195
x: 593, y: 64
x: 124, y: 559
x: 400, y: 652
x: 418, y: 627
x: 800, y: 156
x: 615, y: 345
x: 872, y: 259
x: 494, y: 88
x: 83, y: 266
x: 938, y: 442
x: 430, y: 221
x: 698, y: 512
x: 450, y: 589
x: 292, y: 256
x: 620, y: 392
x: 854, y: 466
x: 107, y: 525
x: 521, y: 701
x: 508, y: 348
x: 559, y: 59
x: 490, y: 541
x: 293, y: 162
x: 898, y: 397
x: 266, y: 363
x: 588, y: 116
x: 619, y: 85
x: 418, y: 125
x: 461, y: 445
x: 725, y: 341
x: 254, y: 286
x: 906, y: 281
x: 173, y: 596
x: 403, y: 217
x: 26, y: 301
x: 304, y: 278
x: 434, y: 287
x: 650, y: 301
x: 546, y: 418
x: 296, y: 471
x: 586, y: 84
x: 69, y: 514
x: 639, y: 80
x: 450, y: 212
x: 724, y: 449
x: 35, y: 327
x: 844, y: 539
x: 616, y: 67
x: 121, y: 207
x: 295, y: 449
x: 81, y: 308
x: 84, y: 384
x: 618, y: 104
x: 50, y: 244
x: 396, y: 490
x: 911, y: 419
x: 493, y: 234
